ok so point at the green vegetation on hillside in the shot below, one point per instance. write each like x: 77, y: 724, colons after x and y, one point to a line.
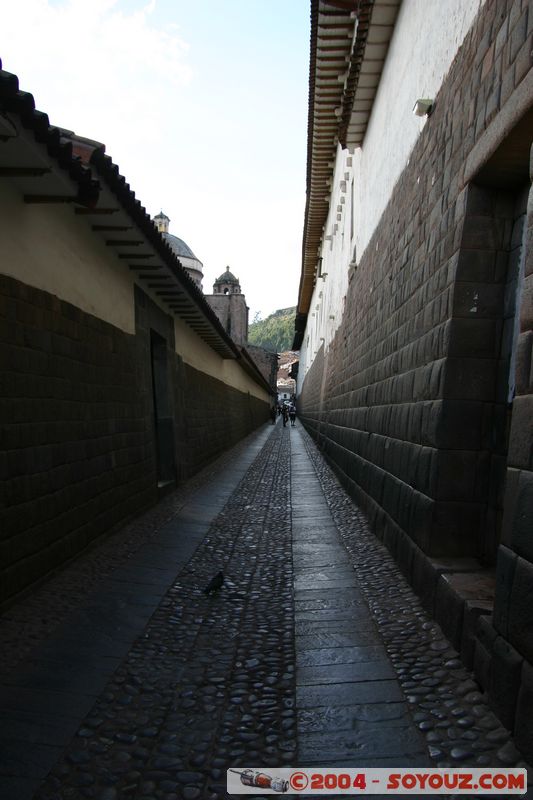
x: 275, y: 333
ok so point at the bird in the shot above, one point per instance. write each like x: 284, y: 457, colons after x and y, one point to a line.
x: 215, y: 583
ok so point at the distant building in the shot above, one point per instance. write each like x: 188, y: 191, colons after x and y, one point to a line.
x: 267, y: 362
x: 186, y: 256
x: 286, y: 384
x: 229, y: 304
x: 286, y: 390
x: 227, y: 301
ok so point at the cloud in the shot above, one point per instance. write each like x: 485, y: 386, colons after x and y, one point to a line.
x: 217, y: 146
x: 93, y: 66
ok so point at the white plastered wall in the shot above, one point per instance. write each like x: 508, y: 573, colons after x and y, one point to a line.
x: 195, y: 352
x: 47, y: 247
x: 426, y: 39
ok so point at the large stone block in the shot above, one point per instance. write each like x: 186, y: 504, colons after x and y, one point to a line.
x: 405, y: 500
x: 474, y: 609
x: 512, y: 480
x: 423, y: 472
x: 518, y: 34
x: 456, y: 528
x: 482, y: 664
x: 523, y: 727
x: 474, y: 338
x: 476, y: 266
x: 521, y: 529
x: 505, y: 681
x: 479, y: 201
x: 520, y: 622
x: 449, y: 610
x: 424, y: 578
x: 495, y: 490
x: 478, y: 300
x: 459, y: 473
x: 486, y: 632
x: 526, y: 306
x: 495, y: 422
x: 405, y: 553
x: 521, y: 434
x: 524, y: 363
x: 470, y: 379
x: 483, y: 232
x: 528, y: 255
x: 420, y: 519
x: 505, y: 570
x: 391, y: 495
x: 458, y: 425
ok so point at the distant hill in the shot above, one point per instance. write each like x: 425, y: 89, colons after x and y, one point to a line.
x: 276, y: 332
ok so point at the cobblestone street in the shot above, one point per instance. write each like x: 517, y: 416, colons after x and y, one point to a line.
x: 120, y: 678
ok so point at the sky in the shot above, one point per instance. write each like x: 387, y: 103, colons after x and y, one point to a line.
x: 203, y: 106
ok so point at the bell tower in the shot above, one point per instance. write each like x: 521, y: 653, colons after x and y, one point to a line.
x: 229, y: 304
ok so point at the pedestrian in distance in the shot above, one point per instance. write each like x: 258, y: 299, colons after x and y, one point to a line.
x: 292, y: 416
x: 285, y: 415
x: 273, y: 415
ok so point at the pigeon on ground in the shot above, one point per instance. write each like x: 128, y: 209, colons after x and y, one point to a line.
x: 215, y: 583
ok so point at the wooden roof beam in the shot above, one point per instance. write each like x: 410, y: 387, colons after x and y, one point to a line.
x: 117, y: 228
x: 136, y: 255
x: 24, y: 172
x: 124, y: 242
x: 49, y: 198
x: 87, y: 211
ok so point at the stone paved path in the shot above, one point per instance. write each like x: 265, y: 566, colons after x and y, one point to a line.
x: 351, y: 708
x: 315, y: 651
x: 45, y: 696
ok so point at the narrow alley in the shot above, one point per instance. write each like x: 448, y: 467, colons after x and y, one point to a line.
x: 121, y: 678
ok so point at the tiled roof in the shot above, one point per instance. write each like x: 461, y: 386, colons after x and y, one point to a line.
x: 15, y: 155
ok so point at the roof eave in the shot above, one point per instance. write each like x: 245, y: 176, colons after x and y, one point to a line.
x: 336, y: 93
x: 193, y: 298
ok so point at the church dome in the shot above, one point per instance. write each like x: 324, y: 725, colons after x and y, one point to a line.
x: 179, y: 247
x: 193, y: 265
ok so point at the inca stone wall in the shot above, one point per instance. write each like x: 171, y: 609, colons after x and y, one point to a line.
x: 79, y: 448
x: 504, y: 655
x: 216, y: 416
x: 311, y: 407
x: 76, y: 454
x: 413, y: 401
x: 267, y: 363
x: 410, y: 401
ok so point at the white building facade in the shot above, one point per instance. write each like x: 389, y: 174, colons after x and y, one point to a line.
x: 424, y: 42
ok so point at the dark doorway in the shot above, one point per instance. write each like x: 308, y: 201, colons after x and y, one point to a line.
x: 484, y: 339
x: 163, y: 421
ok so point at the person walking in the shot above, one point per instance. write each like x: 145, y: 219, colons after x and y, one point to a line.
x: 292, y: 415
